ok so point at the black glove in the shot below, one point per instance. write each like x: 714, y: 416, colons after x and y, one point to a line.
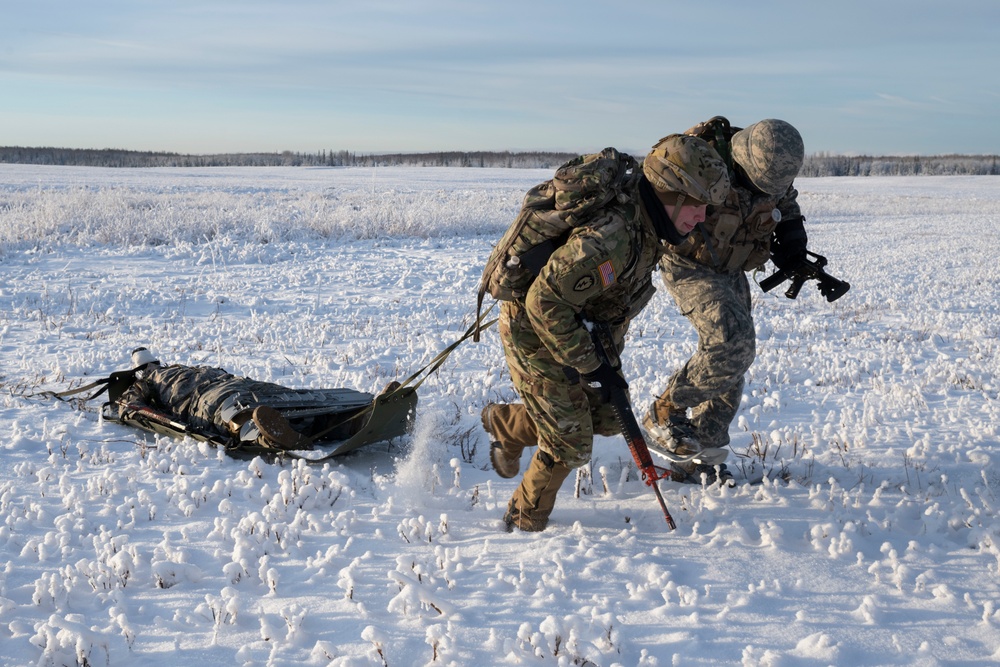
x: 788, y: 247
x: 604, y: 378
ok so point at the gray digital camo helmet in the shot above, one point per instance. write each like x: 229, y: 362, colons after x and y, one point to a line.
x: 771, y: 153
x: 689, y: 166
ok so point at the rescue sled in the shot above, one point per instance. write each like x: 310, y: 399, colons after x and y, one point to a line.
x: 334, y: 421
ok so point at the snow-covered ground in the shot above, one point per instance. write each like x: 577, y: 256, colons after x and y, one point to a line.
x: 874, y: 539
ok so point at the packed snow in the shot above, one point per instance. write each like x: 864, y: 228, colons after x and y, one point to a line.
x: 873, y: 538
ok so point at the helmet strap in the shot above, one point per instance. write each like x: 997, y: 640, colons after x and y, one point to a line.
x: 662, y: 223
x: 677, y: 207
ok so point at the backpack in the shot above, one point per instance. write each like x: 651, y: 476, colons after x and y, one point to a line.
x: 549, y: 212
x: 718, y: 132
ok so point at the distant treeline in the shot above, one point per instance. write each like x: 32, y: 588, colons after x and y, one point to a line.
x: 815, y: 165
x: 937, y: 165
x: 123, y: 158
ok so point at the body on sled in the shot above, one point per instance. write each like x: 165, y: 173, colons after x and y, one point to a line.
x: 250, y: 416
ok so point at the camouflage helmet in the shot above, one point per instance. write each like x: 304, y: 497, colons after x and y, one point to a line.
x: 689, y: 166
x: 771, y: 153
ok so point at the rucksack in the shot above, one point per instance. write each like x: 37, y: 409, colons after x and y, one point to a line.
x: 548, y: 214
x: 718, y: 132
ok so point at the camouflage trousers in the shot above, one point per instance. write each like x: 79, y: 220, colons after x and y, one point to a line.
x: 565, y: 412
x: 710, y: 384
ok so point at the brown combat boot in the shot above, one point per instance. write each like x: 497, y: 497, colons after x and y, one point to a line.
x: 670, y: 431
x: 673, y: 435
x: 510, y: 430
x: 275, y: 430
x: 534, y: 499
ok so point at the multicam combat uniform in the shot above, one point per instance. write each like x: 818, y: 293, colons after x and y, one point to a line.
x: 706, y: 275
x: 602, y: 274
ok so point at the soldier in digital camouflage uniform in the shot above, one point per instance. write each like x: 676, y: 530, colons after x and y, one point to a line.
x: 601, y: 273
x: 706, y: 275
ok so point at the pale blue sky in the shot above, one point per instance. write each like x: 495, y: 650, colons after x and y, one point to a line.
x: 202, y: 76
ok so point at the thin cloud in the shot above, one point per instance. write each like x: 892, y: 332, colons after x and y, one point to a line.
x: 574, y: 75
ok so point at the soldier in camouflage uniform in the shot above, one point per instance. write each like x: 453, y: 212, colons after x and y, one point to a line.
x: 207, y: 399
x: 706, y: 275
x: 602, y: 272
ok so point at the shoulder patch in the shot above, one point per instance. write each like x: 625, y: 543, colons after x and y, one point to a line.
x: 607, y: 272
x: 584, y: 284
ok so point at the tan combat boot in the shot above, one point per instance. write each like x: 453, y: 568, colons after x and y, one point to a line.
x: 672, y: 434
x: 510, y: 430
x: 671, y: 431
x: 534, y: 499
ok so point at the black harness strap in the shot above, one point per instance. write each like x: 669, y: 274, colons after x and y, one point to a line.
x: 114, y: 384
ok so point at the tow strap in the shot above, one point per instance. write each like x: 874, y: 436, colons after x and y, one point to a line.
x: 405, y: 387
x: 437, y: 361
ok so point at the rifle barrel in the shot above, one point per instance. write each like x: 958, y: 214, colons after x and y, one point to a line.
x: 630, y: 426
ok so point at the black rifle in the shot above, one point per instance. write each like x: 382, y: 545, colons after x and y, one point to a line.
x: 603, y: 342
x: 804, y: 270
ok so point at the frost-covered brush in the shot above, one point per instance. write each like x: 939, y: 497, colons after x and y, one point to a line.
x: 601, y: 332
x: 830, y: 287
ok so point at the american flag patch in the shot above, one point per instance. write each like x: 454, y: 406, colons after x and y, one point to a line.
x: 607, y: 273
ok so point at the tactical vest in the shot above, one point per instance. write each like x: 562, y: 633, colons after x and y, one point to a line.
x: 736, y: 235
